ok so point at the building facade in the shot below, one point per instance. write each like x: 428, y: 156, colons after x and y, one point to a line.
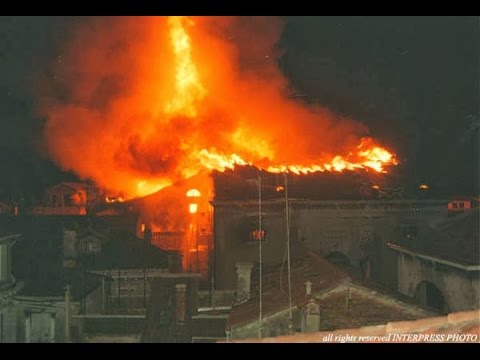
x: 353, y: 232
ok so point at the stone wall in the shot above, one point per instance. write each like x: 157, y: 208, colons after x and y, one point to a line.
x: 40, y: 324
x: 8, y: 330
x: 358, y: 230
x: 273, y: 325
x: 460, y: 288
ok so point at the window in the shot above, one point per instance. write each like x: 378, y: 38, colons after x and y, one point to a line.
x: 192, y: 208
x: 256, y: 235
x: 248, y: 230
x: 67, y: 200
x: 93, y: 247
x: 335, y: 236
x: 193, y: 193
x: 454, y: 205
x: 461, y: 205
x: 409, y: 231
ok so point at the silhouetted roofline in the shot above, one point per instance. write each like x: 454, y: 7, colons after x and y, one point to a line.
x: 433, y: 258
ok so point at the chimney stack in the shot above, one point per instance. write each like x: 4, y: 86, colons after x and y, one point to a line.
x: 6, y: 277
x: 311, y: 312
x: 244, y: 272
x: 147, y: 235
x: 67, y: 313
x: 311, y: 316
x: 175, y: 263
x: 181, y: 302
x: 308, y: 289
x: 70, y: 248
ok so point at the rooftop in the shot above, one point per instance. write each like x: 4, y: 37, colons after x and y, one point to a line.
x: 241, y: 184
x: 456, y: 239
x: 130, y: 252
x: 307, y: 267
x: 448, y: 328
x: 77, y: 186
x: 344, y: 301
x: 37, y: 256
x: 54, y: 284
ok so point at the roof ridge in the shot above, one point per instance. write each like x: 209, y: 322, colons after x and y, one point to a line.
x: 393, y: 327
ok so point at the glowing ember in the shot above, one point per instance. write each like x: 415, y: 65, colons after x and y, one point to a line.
x: 114, y: 199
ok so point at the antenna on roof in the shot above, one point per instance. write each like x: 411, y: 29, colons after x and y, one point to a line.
x: 260, y: 251
x: 287, y: 223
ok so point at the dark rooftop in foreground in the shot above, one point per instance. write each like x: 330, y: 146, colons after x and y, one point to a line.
x: 305, y: 266
x: 130, y: 252
x: 37, y: 256
x: 332, y: 284
x: 453, y: 327
x: 456, y: 239
x: 54, y: 284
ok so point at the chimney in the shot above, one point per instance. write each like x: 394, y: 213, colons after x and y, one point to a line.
x: 175, y: 263
x: 147, y: 235
x: 67, y: 313
x: 311, y: 316
x: 6, y: 277
x: 308, y: 289
x: 311, y: 312
x: 181, y: 302
x: 70, y: 248
x: 244, y: 272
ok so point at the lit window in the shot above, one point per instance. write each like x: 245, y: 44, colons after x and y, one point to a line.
x: 248, y: 229
x: 256, y: 235
x: 192, y: 208
x: 193, y: 193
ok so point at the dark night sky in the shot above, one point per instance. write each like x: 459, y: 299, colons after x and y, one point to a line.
x: 412, y: 80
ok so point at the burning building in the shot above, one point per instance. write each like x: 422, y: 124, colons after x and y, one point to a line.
x: 67, y: 198
x: 165, y: 112
x: 344, y: 217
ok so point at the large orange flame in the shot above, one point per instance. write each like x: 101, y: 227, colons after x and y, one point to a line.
x: 372, y: 157
x: 151, y: 101
x: 188, y: 89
